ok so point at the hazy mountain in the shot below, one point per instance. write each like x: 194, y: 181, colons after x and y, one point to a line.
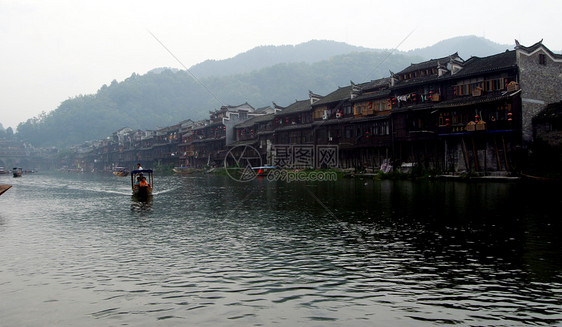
x: 318, y: 50
x: 266, y: 56
x: 466, y: 46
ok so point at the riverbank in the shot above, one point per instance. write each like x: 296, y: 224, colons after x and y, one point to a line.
x: 339, y: 174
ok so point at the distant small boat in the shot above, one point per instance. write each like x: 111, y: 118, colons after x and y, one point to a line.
x: 17, y: 172
x: 183, y: 170
x: 71, y: 170
x: 120, y: 171
x: 140, y: 189
x: 3, y: 171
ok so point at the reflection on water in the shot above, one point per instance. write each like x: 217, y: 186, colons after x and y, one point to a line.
x: 208, y: 251
x: 141, y: 205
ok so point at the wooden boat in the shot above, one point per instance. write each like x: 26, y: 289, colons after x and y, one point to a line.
x: 4, y: 188
x: 120, y: 171
x: 539, y: 178
x: 4, y: 171
x: 17, y: 172
x: 140, y: 191
x: 183, y: 170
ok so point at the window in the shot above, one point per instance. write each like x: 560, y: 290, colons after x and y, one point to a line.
x: 542, y: 59
x: 497, y: 84
x: 318, y: 113
x: 380, y: 105
x: 463, y: 89
x: 475, y: 85
x: 356, y: 110
x: 294, y: 137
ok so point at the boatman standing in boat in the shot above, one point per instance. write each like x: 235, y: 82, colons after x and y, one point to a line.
x: 139, y: 167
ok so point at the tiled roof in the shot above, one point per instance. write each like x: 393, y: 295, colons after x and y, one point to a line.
x: 293, y: 127
x: 254, y: 120
x: 233, y: 108
x: 477, y: 65
x: 473, y: 66
x: 209, y: 125
x: 349, y: 120
x: 244, y: 142
x: 373, y: 95
x: 420, y: 106
x: 298, y: 106
x: 534, y: 47
x: 420, y: 80
x: 342, y: 93
x: 210, y: 139
x: 427, y: 64
x: 382, y: 82
x: 466, y: 101
x: 459, y: 102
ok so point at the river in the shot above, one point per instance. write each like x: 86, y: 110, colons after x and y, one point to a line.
x: 78, y: 250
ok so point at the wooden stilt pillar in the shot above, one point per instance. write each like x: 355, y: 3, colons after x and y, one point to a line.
x: 465, y: 154
x: 505, y: 154
x: 498, y: 159
x: 475, y: 155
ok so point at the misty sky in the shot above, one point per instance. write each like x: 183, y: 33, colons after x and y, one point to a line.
x: 55, y: 50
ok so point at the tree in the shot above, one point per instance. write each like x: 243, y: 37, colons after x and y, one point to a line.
x: 9, y: 133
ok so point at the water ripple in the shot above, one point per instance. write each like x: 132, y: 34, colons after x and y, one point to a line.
x: 204, y: 246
